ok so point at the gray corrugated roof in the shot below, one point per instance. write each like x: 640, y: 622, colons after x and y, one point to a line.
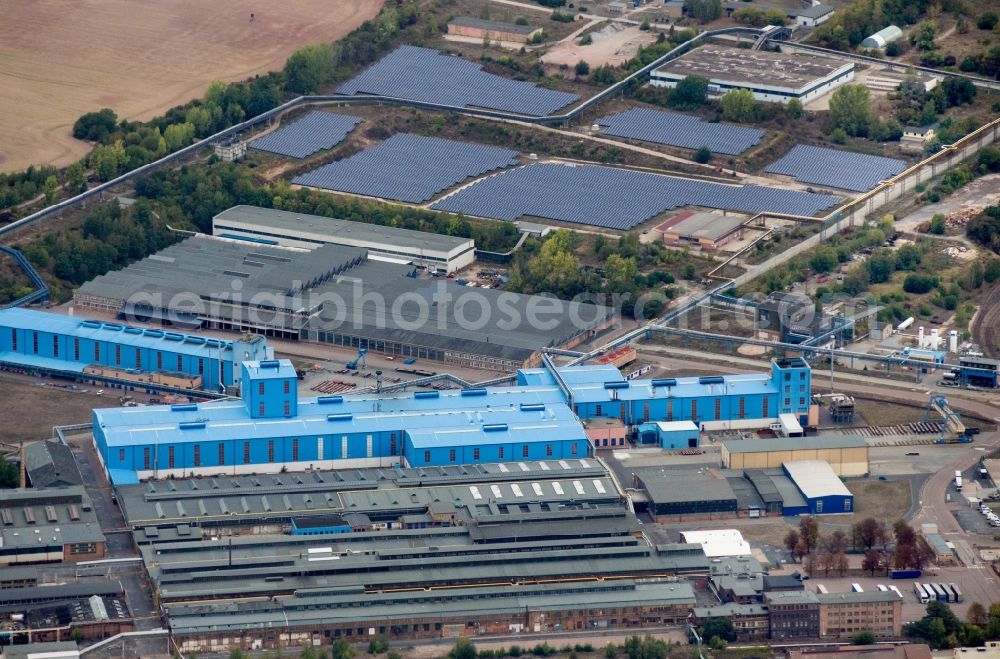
x: 51, y: 464
x: 677, y: 487
x: 815, y: 11
x: 333, y: 229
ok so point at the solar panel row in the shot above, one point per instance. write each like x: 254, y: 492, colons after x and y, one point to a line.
x: 305, y: 136
x: 613, y: 198
x: 680, y: 130
x: 408, y: 168
x: 422, y: 74
x: 837, y: 169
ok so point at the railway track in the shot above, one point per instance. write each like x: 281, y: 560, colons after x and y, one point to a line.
x: 986, y: 328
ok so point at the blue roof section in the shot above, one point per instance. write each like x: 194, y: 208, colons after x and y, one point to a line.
x: 523, y: 432
x: 731, y: 385
x: 576, y: 375
x: 229, y: 420
x: 139, y: 337
x: 37, y: 361
x: 270, y: 369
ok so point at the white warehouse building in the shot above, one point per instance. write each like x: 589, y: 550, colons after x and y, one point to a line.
x: 284, y: 229
x: 772, y: 77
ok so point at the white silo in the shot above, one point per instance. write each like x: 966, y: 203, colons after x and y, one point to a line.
x: 953, y: 341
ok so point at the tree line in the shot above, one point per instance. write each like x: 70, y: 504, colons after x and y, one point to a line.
x: 883, y: 548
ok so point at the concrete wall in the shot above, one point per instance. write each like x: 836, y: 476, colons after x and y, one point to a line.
x: 844, y: 461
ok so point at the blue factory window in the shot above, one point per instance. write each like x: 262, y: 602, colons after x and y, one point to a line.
x: 670, y: 410
x: 524, y: 451
x: 788, y: 376
x: 222, y: 453
x: 802, y: 400
x: 743, y: 408
x: 286, y: 386
x: 819, y: 505
x: 694, y: 410
x: 180, y: 363
x: 718, y: 409
x: 764, y: 409
x: 427, y: 457
x: 34, y: 342
x: 295, y: 444
x: 597, y: 410
x: 201, y: 366
x: 260, y: 409
x: 13, y: 339
x: 392, y: 444
x: 97, y: 351
x: 121, y: 455
x: 118, y: 354
x: 475, y: 453
x: 55, y: 345
x: 500, y: 453
x: 847, y: 505
x: 572, y: 448
x: 76, y: 349
x: 260, y: 388
x: 788, y: 402
x: 170, y: 457
x: 451, y: 454
x: 159, y: 361
x: 548, y: 450
x: 802, y: 375
x: 288, y: 408
x: 246, y: 453
x: 197, y: 455
x: 145, y: 458
x: 270, y: 450
x: 138, y: 358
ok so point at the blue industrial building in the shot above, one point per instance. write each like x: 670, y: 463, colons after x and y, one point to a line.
x: 121, y: 355
x: 715, y: 402
x: 670, y: 434
x: 822, y: 489
x: 979, y: 371
x: 271, y: 429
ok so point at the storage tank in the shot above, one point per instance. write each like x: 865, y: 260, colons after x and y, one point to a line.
x: 906, y: 323
x: 883, y: 37
x: 953, y: 341
x: 920, y: 337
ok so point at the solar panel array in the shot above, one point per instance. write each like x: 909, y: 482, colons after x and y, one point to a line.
x: 313, y: 132
x: 680, y: 130
x: 408, y: 168
x: 837, y: 169
x: 422, y: 74
x: 613, y: 198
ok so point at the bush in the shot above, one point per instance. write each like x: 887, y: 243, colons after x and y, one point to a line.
x: 95, y: 126
x: 520, y: 20
x: 987, y: 21
x: 562, y: 17
x: 918, y: 284
x: 582, y: 68
x: 938, y: 224
x: 377, y: 645
x: 586, y: 40
x: 838, y: 136
x: 703, y: 155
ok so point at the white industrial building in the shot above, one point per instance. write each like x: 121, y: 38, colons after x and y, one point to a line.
x: 719, y: 543
x: 772, y: 77
x: 284, y: 229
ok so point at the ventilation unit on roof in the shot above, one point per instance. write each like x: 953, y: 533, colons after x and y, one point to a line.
x: 329, y: 400
x: 427, y: 394
x: 191, y: 425
x: 664, y: 382
x: 711, y: 379
x: 532, y: 407
x: 343, y: 416
x: 184, y: 407
x: 616, y: 385
x: 473, y: 392
x: 494, y: 427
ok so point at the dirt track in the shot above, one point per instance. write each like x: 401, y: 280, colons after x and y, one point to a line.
x: 62, y: 58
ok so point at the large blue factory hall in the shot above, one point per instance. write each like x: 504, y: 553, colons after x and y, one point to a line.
x: 539, y: 418
x: 121, y: 355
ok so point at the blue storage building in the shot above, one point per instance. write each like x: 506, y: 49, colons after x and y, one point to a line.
x: 118, y: 354
x: 670, y: 434
x: 824, y: 492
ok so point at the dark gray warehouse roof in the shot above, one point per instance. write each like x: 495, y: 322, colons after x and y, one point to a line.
x: 680, y: 487
x: 50, y: 464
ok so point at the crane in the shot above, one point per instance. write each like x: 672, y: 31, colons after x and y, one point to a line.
x: 954, y: 429
x: 353, y: 364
